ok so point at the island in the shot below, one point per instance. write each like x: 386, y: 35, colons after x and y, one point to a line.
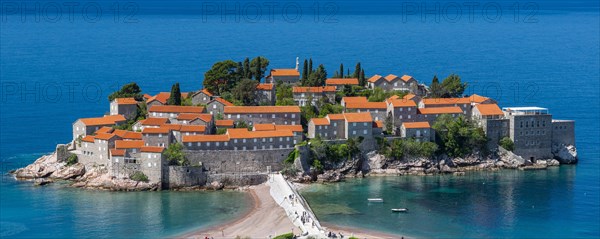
x: 242, y: 128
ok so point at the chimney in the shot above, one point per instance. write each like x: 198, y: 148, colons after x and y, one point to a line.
x: 297, y: 63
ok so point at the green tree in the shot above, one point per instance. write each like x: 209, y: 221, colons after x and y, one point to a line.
x: 245, y: 91
x: 259, y: 65
x: 453, y: 87
x: 357, y: 70
x: 221, y: 77
x: 318, y: 77
x: 459, y: 136
x: 341, y: 74
x: 304, y: 79
x: 175, y: 97
x: 435, y: 89
x: 126, y: 91
x: 175, y: 156
x: 284, y: 94
x: 507, y: 144
x: 247, y: 73
x: 310, y: 67
x: 362, y: 81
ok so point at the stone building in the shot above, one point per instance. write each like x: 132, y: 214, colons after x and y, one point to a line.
x: 160, y: 137
x: 202, y: 97
x: 420, y: 131
x: 491, y: 118
x: 173, y: 111
x: 393, y: 82
x: 342, y: 126
x: 530, y: 129
x: 302, y: 95
x: 224, y: 124
x: 131, y: 147
x: 149, y: 123
x: 241, y: 139
x: 87, y: 126
x: 265, y: 94
x: 281, y: 115
x: 353, y: 99
x: 289, y: 76
x: 124, y: 106
x: 464, y: 103
x: 563, y: 132
x: 152, y: 161
x: 358, y: 125
x: 378, y: 110
x: 339, y: 83
x: 216, y: 106
x: 400, y: 111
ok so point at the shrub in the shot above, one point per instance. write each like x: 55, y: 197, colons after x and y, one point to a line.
x: 175, y: 155
x: 72, y: 159
x: 285, y: 236
x: 291, y: 157
x: 138, y: 176
x: 507, y: 144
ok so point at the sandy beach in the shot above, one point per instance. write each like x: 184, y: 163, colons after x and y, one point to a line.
x: 267, y: 219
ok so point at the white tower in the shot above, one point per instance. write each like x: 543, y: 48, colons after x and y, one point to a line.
x: 297, y: 62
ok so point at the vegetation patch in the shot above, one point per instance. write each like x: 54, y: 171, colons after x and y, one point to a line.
x: 139, y: 176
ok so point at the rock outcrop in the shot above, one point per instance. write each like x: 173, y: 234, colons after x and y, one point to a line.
x: 565, y: 154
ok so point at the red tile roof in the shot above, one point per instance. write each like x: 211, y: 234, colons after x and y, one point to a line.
x: 302, y: 89
x: 193, y: 128
x: 440, y: 110
x: 205, y: 138
x: 224, y: 123
x: 245, y: 134
x: 285, y: 72
x: 223, y: 101
x: 478, y: 99
x: 176, y: 109
x: 375, y: 78
x: 117, y: 152
x: 125, y: 101
x: 260, y: 109
x: 191, y: 117
x: 336, y: 117
x: 263, y: 86
x: 358, y: 117
x: 159, y: 130
x: 175, y: 127
x: 403, y: 103
x: 416, y: 125
x: 128, y: 134
x: 489, y: 109
x: 367, y: 105
x: 129, y: 144
x: 341, y: 81
x: 154, y: 121
x: 206, y: 92
x: 320, y: 121
x: 264, y: 127
x: 162, y: 97
x: 105, y: 136
x: 378, y: 124
x: 407, y: 78
x: 105, y: 130
x: 391, y: 77
x: 88, y: 138
x: 409, y: 96
x: 354, y: 99
x: 106, y: 120
x: 293, y: 128
x: 152, y: 149
x: 446, y: 101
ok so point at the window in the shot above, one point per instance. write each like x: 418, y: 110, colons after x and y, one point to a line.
x: 235, y: 141
x: 214, y: 106
x: 190, y: 144
x: 254, y: 147
x: 270, y: 139
x: 395, y: 83
x: 238, y: 116
x: 225, y: 143
x: 264, y: 140
x: 293, y: 116
x: 229, y: 116
x: 353, y: 132
x: 409, y: 109
x: 287, y: 139
x: 280, y: 139
x: 334, y: 124
x: 334, y: 132
x: 365, y: 131
x: 325, y: 134
x: 116, y: 160
x: 401, y: 109
x: 243, y: 140
x: 365, y: 124
x: 320, y: 127
x: 409, y: 116
x: 244, y: 148
x: 254, y: 140
x: 217, y: 144
x: 149, y: 156
x: 207, y: 144
x: 353, y: 124
x: 198, y: 144
x: 273, y: 116
x: 160, y: 135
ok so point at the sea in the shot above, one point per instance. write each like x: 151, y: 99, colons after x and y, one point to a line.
x: 59, y: 60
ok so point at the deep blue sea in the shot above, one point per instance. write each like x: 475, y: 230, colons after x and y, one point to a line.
x: 55, y: 68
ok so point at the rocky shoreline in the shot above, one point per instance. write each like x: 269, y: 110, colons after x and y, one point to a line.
x: 48, y: 169
x: 375, y: 164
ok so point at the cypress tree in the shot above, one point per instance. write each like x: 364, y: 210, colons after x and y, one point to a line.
x: 310, y: 67
x: 341, y: 71
x: 247, y: 71
x: 435, y: 88
x: 175, y: 97
x: 259, y: 72
x: 357, y: 70
x: 362, y: 80
x: 304, y: 73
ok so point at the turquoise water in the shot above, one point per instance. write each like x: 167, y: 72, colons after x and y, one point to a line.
x: 52, y: 73
x: 56, y: 211
x: 511, y: 203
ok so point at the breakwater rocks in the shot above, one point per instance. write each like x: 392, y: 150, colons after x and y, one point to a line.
x: 48, y: 169
x: 373, y: 163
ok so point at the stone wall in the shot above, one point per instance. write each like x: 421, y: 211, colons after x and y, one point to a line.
x: 179, y: 176
x: 563, y: 132
x: 242, y: 161
x: 237, y: 179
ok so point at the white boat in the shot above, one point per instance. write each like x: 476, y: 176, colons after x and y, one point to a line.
x: 375, y: 199
x: 399, y: 209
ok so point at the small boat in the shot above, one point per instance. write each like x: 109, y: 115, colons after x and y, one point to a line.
x: 375, y: 199
x: 399, y: 209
